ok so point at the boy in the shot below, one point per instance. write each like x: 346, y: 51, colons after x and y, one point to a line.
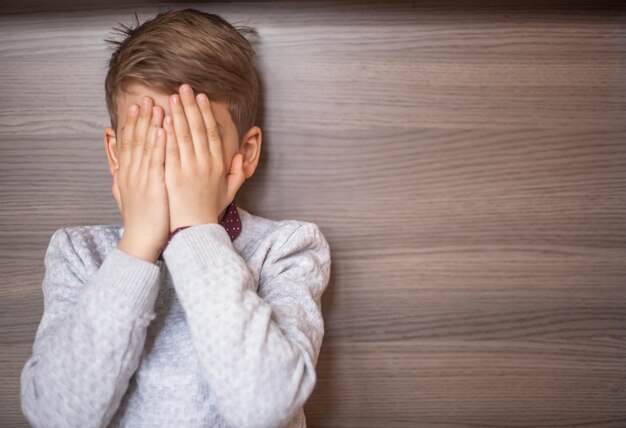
x: 195, y: 313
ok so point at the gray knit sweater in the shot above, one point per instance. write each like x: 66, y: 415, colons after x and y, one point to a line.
x: 220, y: 334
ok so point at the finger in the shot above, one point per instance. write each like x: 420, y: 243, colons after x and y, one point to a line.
x: 210, y: 123
x: 236, y: 177
x: 128, y: 130
x: 172, y: 152
x: 139, y: 137
x: 116, y: 191
x: 155, y: 123
x: 156, y: 174
x: 195, y: 122
x: 183, y: 134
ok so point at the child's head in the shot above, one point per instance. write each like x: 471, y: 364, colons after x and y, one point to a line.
x: 193, y: 47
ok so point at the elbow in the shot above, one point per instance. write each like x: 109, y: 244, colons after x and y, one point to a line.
x: 28, y: 393
x: 29, y: 396
x: 41, y: 404
x: 274, y: 399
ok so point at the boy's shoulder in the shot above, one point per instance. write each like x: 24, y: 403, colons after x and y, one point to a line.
x: 256, y: 228
x: 90, y: 244
x: 288, y: 243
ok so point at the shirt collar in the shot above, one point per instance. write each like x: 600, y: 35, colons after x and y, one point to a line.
x: 232, y: 221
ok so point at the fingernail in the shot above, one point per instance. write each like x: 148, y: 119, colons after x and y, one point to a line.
x: 133, y: 109
x: 202, y: 98
x: 175, y: 99
x: 168, y: 119
x: 159, y: 132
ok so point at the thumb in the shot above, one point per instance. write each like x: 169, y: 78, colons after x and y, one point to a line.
x: 116, y: 191
x: 236, y: 177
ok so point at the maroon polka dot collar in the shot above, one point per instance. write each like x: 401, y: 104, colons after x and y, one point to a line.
x: 231, y: 222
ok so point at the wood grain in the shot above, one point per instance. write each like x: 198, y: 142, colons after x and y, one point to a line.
x: 465, y: 160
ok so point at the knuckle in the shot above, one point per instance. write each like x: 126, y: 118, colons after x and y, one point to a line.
x: 198, y: 128
x: 186, y: 136
x: 138, y: 139
x: 213, y: 133
x: 173, y: 149
x: 147, y: 150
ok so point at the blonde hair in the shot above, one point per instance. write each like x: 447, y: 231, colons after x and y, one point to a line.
x: 187, y: 46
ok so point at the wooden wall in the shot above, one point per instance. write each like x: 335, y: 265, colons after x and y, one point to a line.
x: 465, y: 160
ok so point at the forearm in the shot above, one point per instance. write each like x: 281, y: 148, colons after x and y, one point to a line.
x: 259, y: 376
x: 80, y: 370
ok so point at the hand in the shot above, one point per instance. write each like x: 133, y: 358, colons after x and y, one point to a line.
x: 199, y: 184
x: 139, y: 183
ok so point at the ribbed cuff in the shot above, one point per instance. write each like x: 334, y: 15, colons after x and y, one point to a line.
x: 132, y: 281
x: 205, y: 244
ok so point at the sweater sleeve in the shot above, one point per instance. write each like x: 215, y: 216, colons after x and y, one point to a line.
x: 90, y: 338
x: 258, y: 350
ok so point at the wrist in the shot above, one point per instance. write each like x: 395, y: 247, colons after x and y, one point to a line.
x: 189, y: 222
x: 138, y: 251
x: 175, y: 231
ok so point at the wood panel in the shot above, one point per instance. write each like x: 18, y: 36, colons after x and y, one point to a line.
x: 465, y: 160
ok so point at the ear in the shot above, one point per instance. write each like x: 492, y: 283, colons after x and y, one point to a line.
x: 250, y: 148
x: 110, y: 147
